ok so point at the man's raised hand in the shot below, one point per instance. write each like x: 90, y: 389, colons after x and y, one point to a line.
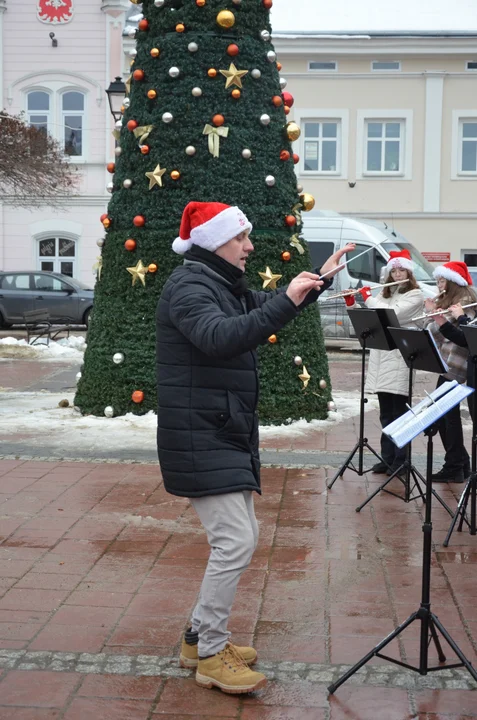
x: 301, y: 285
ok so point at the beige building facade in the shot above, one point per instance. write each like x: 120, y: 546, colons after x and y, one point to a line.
x: 389, y: 131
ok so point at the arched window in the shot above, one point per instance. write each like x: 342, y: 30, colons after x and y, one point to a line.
x: 38, y: 108
x: 72, y: 107
x: 57, y: 254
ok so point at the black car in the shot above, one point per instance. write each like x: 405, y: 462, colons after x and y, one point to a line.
x: 65, y: 299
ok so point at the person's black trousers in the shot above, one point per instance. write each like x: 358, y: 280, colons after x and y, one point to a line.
x: 390, y: 408
x: 452, y: 436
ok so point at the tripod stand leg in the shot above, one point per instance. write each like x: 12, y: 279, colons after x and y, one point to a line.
x: 473, y: 504
x: 344, y: 466
x: 378, y: 490
x: 437, y: 642
x: 465, y: 497
x: 460, y: 512
x: 454, y: 646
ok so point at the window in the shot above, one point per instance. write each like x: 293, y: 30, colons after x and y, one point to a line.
x: 468, y: 146
x: 38, y: 109
x: 386, y: 65
x: 321, y: 151
x: 471, y: 65
x: 49, y: 283
x: 320, y: 252
x: 367, y: 267
x: 384, y: 146
x: 15, y: 282
x: 331, y: 66
x: 57, y: 254
x: 72, y: 114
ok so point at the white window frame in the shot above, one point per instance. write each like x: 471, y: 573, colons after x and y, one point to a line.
x: 339, y: 115
x: 385, y: 70
x: 56, y: 259
x: 48, y: 112
x: 323, y: 70
x: 458, y: 118
x: 80, y: 113
x: 404, y: 116
x: 469, y: 69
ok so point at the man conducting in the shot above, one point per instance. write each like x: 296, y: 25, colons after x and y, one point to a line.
x: 208, y: 328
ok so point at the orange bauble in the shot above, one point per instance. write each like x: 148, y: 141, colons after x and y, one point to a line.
x: 152, y: 268
x: 155, y: 52
x: 175, y: 175
x: 212, y: 72
x: 137, y: 396
x: 284, y: 155
x: 279, y: 66
x: 145, y: 149
x: 272, y: 339
x: 290, y: 220
x: 236, y: 93
x: 286, y: 256
x: 277, y: 101
x: 138, y: 74
x: 151, y: 94
x: 287, y: 109
x: 296, y: 158
x: 233, y: 50
x: 130, y: 244
x: 200, y: 3
x: 131, y: 125
x: 111, y: 167
x: 139, y: 221
x: 267, y: 4
x: 180, y: 27
x: 143, y: 24
x: 218, y: 120
x: 107, y: 222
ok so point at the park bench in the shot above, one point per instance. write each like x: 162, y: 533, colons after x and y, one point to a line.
x: 38, y: 325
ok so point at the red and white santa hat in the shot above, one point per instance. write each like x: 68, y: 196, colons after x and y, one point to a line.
x: 455, y: 271
x: 209, y: 225
x: 399, y: 259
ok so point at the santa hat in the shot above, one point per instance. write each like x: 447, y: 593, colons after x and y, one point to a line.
x: 399, y: 259
x: 455, y: 271
x: 210, y: 225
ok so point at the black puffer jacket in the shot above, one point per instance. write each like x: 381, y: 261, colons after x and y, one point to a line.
x: 207, y: 380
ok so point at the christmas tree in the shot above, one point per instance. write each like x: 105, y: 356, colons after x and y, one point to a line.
x: 206, y: 118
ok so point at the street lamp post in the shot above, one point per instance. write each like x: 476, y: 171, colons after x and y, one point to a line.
x: 116, y: 93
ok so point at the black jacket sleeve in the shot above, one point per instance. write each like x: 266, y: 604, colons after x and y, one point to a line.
x: 195, y: 310
x: 453, y: 333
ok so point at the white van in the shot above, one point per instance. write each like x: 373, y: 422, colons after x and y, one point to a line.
x: 327, y: 231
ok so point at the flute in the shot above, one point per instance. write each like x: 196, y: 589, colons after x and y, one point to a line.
x: 439, y: 312
x: 345, y: 293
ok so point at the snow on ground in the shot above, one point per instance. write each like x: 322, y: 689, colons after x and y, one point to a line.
x: 37, y: 419
x: 66, y: 349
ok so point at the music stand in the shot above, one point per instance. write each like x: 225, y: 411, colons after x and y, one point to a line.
x: 430, y: 623
x: 470, y: 490
x: 371, y: 327
x: 420, y: 352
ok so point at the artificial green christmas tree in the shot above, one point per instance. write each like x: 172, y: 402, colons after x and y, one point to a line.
x: 206, y: 119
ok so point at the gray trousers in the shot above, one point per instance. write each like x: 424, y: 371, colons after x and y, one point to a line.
x: 232, y: 532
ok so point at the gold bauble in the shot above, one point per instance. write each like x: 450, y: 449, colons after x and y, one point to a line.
x: 293, y: 131
x: 272, y: 339
x: 225, y: 19
x: 236, y: 94
x: 307, y: 201
x: 212, y: 72
x: 151, y: 94
x: 155, y: 52
x: 152, y: 268
x: 175, y: 175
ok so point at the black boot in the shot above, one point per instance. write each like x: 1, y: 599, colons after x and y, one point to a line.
x: 380, y: 467
x: 449, y: 475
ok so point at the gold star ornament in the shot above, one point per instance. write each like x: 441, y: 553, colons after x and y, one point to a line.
x: 305, y: 377
x: 269, y: 279
x: 234, y: 76
x: 138, y: 272
x: 155, y: 177
x: 128, y: 85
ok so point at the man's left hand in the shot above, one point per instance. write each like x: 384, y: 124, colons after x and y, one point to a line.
x: 333, y: 265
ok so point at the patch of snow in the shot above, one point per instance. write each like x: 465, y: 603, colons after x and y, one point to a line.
x: 71, y: 348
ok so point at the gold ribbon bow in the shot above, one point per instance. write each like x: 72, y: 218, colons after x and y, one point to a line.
x: 98, y: 266
x: 214, y: 135
x: 142, y: 132
x: 296, y: 210
x: 295, y: 242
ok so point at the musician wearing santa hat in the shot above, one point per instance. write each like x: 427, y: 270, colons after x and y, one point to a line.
x: 454, y: 284
x: 209, y: 325
x: 388, y: 375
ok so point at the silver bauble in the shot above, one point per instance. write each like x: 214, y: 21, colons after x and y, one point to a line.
x: 265, y: 119
x: 127, y: 183
x: 297, y: 360
x: 78, y: 377
x: 323, y: 384
x: 167, y: 117
x: 132, y: 52
x: 283, y: 83
x: 265, y: 35
x: 110, y: 187
x: 118, y: 358
x: 271, y: 56
x: 159, y: 3
x: 100, y: 242
x: 117, y: 151
x: 190, y: 150
x: 126, y: 102
x: 197, y: 91
x: 299, y: 188
x: 331, y: 405
x: 192, y: 47
x: 246, y: 153
x: 118, y: 124
x: 108, y: 411
x: 174, y: 72
x: 270, y: 180
x: 256, y: 74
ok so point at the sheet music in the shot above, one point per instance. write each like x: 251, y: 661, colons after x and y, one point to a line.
x: 438, y: 352
x: 426, y: 413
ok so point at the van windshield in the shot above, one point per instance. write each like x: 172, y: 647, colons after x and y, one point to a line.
x: 422, y: 268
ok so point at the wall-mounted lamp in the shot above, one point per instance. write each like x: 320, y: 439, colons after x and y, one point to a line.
x: 54, y: 41
x: 352, y: 184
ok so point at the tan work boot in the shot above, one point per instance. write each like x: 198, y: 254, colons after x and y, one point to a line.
x: 189, y: 657
x: 229, y: 672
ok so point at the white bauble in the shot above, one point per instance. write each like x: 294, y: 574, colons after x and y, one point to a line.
x: 246, y: 153
x: 118, y: 358
x: 323, y: 384
x: 271, y: 56
x: 297, y: 360
x: 109, y: 411
x: 117, y: 151
x: 256, y: 74
x: 127, y: 183
x: 100, y: 242
x: 159, y: 3
x: 265, y: 119
x: 78, y: 377
x: 270, y: 180
x: 118, y: 124
x: 197, y: 91
x: 174, y: 71
x: 190, y: 150
x: 331, y: 405
x: 283, y: 83
x: 265, y: 35
x: 167, y: 117
x: 126, y: 102
x: 192, y: 47
x: 110, y: 187
x: 299, y: 188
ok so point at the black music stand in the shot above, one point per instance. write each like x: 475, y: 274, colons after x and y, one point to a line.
x: 430, y: 623
x: 470, y: 490
x: 420, y: 353
x: 371, y: 327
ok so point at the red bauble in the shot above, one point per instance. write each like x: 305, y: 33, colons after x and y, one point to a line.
x: 218, y: 120
x: 277, y: 100
x: 110, y: 167
x: 103, y: 217
x: 139, y: 221
x: 132, y: 125
x: 137, y: 396
x: 290, y: 220
x: 267, y: 4
x: 138, y: 74
x: 145, y: 149
x: 296, y: 158
x: 130, y: 244
x: 288, y: 99
x: 233, y: 50
x: 143, y: 24
x: 284, y: 155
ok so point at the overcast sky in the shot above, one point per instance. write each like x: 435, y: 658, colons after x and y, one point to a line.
x: 373, y: 15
